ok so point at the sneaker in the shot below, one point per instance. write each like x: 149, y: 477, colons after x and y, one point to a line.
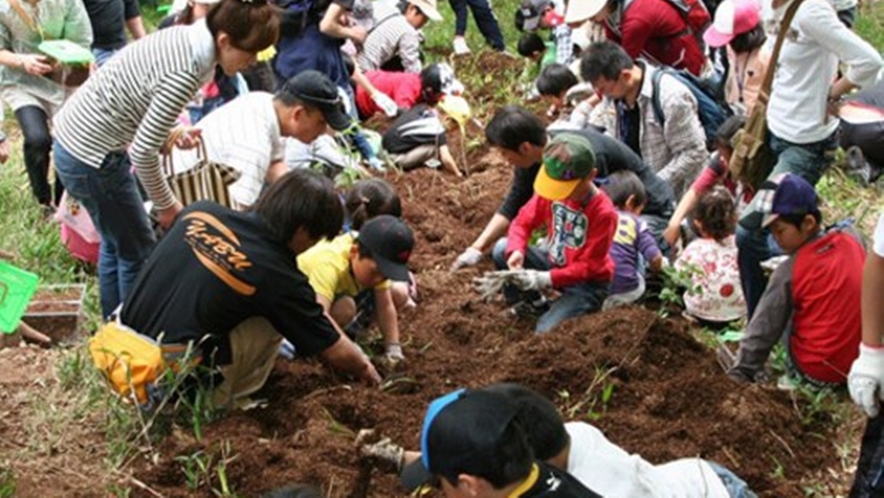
x: 787, y: 383
x: 858, y: 167
x: 460, y: 46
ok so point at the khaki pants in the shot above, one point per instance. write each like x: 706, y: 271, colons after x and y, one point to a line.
x: 416, y: 157
x: 254, y: 345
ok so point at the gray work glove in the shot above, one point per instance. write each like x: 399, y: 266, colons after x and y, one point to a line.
x: 383, y: 454
x: 491, y: 283
x: 470, y: 257
x: 532, y: 280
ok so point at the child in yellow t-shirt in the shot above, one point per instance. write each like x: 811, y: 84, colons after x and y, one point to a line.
x: 343, y: 268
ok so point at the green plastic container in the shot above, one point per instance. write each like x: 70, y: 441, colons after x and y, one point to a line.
x: 66, y: 52
x: 16, y: 289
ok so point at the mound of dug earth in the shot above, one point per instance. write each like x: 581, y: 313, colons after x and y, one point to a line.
x: 669, y: 400
x: 644, y: 381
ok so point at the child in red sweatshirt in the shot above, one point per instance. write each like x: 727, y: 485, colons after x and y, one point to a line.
x: 580, y: 221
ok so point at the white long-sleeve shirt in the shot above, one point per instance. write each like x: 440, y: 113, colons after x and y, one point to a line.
x: 609, y: 470
x: 807, y: 67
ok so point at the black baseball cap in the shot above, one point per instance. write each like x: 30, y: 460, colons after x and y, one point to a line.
x: 318, y: 90
x: 460, y: 435
x: 390, y: 241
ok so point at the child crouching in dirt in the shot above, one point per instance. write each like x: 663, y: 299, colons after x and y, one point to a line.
x: 580, y: 221
x: 813, y: 298
x: 341, y: 270
x: 711, y: 260
x: 417, y: 137
x: 634, y: 245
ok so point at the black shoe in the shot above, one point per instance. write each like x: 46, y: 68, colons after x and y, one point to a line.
x: 529, y: 309
x: 857, y: 166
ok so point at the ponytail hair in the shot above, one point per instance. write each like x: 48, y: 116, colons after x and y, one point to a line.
x: 253, y: 25
x: 369, y: 198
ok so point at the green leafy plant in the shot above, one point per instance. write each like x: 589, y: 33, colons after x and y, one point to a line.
x: 7, y: 483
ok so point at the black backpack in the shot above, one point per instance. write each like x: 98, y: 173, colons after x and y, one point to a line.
x: 712, y: 108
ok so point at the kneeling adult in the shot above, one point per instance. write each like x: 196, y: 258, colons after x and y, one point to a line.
x: 228, y: 283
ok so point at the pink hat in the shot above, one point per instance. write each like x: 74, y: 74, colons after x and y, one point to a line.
x: 732, y: 18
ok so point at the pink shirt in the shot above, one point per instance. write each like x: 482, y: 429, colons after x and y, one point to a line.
x: 717, y: 296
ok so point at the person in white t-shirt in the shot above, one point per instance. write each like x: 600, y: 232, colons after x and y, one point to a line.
x: 608, y: 469
x: 866, y: 379
x: 245, y: 133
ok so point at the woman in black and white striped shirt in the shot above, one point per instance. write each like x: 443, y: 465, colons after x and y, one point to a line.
x: 135, y: 99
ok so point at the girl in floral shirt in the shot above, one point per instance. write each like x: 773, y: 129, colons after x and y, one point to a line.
x: 711, y: 260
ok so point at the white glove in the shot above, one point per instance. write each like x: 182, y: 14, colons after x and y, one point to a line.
x: 532, y: 280
x: 386, y: 104
x: 393, y: 353
x: 866, y: 379
x: 376, y: 163
x: 470, y: 257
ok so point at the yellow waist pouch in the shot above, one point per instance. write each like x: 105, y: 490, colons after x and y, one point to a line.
x: 132, y: 363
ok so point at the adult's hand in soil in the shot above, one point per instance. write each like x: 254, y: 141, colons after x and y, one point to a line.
x: 470, y: 257
x: 165, y: 217
x: 516, y: 260
x: 532, y: 280
x: 866, y: 379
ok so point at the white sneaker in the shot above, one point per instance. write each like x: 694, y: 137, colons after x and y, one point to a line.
x: 460, y: 46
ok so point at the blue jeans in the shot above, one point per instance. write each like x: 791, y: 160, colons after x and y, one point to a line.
x: 869, y: 479
x: 485, y: 20
x: 576, y: 300
x: 102, y: 55
x: 754, y: 246
x: 736, y: 487
x: 111, y: 196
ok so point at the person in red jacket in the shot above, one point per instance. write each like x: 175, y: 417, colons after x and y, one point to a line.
x: 654, y: 30
x: 408, y: 89
x: 580, y: 221
x: 812, y: 298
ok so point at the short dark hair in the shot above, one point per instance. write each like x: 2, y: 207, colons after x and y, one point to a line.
x: 295, y: 491
x: 750, y: 40
x: 725, y: 133
x: 301, y: 198
x: 369, y: 198
x: 620, y: 185
x: 716, y: 213
x: 539, y: 417
x: 530, y: 43
x: 514, y: 125
x: 555, y: 79
x: 513, y: 462
x: 252, y: 25
x: 604, y: 59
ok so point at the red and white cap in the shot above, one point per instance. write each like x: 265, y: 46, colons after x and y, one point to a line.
x: 732, y: 18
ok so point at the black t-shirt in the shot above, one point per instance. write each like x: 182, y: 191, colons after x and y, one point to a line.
x: 108, y: 18
x: 610, y: 155
x: 630, y: 120
x: 550, y: 482
x: 417, y: 126
x: 214, y: 269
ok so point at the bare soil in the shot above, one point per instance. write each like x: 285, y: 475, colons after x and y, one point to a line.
x: 670, y: 399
